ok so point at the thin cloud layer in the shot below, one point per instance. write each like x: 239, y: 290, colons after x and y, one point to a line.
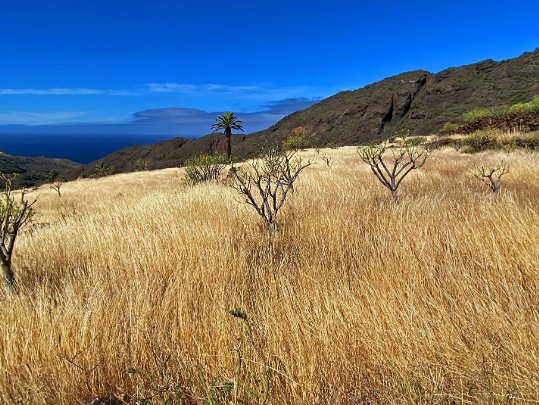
x: 186, y: 122
x: 63, y: 91
x: 38, y: 118
x: 199, y: 121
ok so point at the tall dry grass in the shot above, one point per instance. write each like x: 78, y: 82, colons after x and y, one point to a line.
x: 127, y: 286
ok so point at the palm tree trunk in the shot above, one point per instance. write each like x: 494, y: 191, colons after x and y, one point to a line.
x: 228, y: 135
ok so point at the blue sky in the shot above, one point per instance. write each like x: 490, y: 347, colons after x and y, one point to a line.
x: 173, y: 64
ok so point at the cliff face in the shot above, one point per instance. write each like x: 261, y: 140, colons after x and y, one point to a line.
x: 419, y: 101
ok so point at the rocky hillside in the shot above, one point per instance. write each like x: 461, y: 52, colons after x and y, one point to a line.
x: 32, y: 171
x: 419, y: 102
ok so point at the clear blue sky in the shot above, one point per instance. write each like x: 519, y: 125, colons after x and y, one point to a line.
x: 103, y: 61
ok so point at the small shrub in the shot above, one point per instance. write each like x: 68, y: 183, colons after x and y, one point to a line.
x: 297, y: 139
x: 491, y: 175
x: 449, y: 128
x: 478, y: 141
x: 391, y: 170
x: 266, y: 183
x: 55, y: 184
x: 102, y: 170
x: 15, y: 213
x: 204, y: 168
x: 415, y: 140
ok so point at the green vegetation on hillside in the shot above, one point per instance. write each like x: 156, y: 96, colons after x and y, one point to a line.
x: 521, y: 108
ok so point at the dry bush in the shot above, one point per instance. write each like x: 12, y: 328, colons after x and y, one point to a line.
x: 266, y: 183
x: 433, y: 301
x: 392, y: 170
x: 491, y: 175
x: 16, y: 211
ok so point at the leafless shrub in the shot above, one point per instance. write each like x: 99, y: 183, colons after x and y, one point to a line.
x: 491, y: 175
x: 328, y: 160
x: 391, y: 170
x: 266, y: 183
x: 14, y: 215
x: 55, y: 184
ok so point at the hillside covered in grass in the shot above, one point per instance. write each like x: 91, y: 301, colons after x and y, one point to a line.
x: 33, y: 170
x: 142, y: 287
x: 418, y: 102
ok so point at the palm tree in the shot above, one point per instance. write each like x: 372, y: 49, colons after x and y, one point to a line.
x: 227, y: 121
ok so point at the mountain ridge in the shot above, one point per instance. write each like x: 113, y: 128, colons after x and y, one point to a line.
x: 416, y: 102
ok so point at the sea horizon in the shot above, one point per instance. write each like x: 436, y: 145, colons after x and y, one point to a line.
x: 80, y: 148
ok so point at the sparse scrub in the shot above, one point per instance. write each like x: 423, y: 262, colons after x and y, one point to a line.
x: 529, y: 107
x: 392, y: 171
x: 491, y: 175
x: 266, y: 183
x: 479, y: 113
x: 479, y: 141
x: 434, y: 302
x: 102, y: 169
x: 449, y: 128
x: 142, y: 164
x: 415, y: 140
x: 204, y: 168
x: 296, y: 140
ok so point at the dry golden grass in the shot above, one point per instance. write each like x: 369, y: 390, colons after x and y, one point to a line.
x: 126, y: 289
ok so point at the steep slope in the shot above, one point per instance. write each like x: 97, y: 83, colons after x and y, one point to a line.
x: 419, y: 102
x: 32, y: 171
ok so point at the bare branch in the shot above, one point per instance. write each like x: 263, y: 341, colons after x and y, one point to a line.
x: 14, y: 215
x: 266, y: 183
x: 491, y: 175
x: 391, y: 172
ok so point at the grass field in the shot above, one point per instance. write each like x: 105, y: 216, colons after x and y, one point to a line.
x: 128, y: 282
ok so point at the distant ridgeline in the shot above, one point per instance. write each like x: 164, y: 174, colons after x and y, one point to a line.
x: 415, y: 103
x: 34, y: 171
x: 418, y: 103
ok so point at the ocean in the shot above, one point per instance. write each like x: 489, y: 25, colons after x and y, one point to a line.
x: 81, y: 148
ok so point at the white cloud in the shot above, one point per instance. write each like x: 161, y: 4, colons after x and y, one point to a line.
x: 238, y: 92
x: 38, y: 118
x: 65, y: 91
x: 245, y: 92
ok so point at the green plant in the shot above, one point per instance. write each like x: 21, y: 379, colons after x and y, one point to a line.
x: 238, y: 313
x: 227, y: 122
x: 204, y: 168
x: 480, y: 113
x: 296, y: 140
x: 529, y: 107
x: 449, y: 128
x: 142, y: 164
x: 478, y: 141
